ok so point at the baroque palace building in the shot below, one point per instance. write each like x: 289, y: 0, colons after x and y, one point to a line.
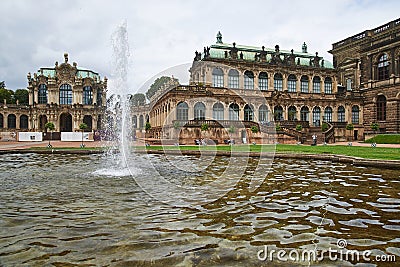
x: 245, y: 86
x: 64, y: 95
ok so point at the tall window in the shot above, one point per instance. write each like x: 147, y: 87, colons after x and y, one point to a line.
x: 248, y: 80
x: 317, y: 85
x: 23, y: 122
x: 278, y: 82
x: 1, y: 121
x: 199, y: 111
x: 381, y: 108
x: 304, y: 84
x: 263, y: 81
x: 218, y: 111
x: 87, y: 95
x: 218, y: 77
x: 42, y: 94
x: 233, y: 79
x: 341, y: 114
x: 328, y: 85
x: 328, y: 114
x: 292, y: 113
x: 141, y: 121
x: 233, y: 112
x: 291, y: 84
x: 348, y: 84
x: 65, y: 94
x: 383, y: 67
x: 11, y: 121
x: 355, y: 115
x: 248, y: 113
x: 304, y: 114
x: 316, y: 116
x: 182, y: 111
x: 263, y: 113
x: 134, y: 121
x: 278, y: 113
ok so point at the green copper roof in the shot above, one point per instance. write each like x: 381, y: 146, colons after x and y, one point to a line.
x: 249, y: 52
x: 81, y: 73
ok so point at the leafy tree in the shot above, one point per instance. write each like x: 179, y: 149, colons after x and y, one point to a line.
x: 324, y: 126
x: 8, y: 95
x: 83, y: 127
x: 50, y: 126
x: 22, y: 95
x: 147, y: 127
x: 158, y: 83
x: 254, y: 129
x: 138, y: 100
x: 299, y: 127
x: 204, y: 127
x: 375, y: 126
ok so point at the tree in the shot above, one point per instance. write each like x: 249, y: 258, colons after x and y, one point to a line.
x: 138, y: 99
x: 158, y: 83
x: 375, y: 127
x: 324, y: 126
x: 22, y: 95
x: 83, y: 127
x: 350, y: 127
x: 147, y: 127
x: 299, y: 128
x: 204, y: 127
x: 254, y: 129
x: 6, y: 94
x: 50, y: 126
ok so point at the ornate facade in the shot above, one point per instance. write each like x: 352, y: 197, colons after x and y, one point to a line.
x: 257, y: 86
x: 64, y: 95
x: 368, y: 63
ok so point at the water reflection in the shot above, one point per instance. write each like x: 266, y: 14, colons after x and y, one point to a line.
x: 65, y: 210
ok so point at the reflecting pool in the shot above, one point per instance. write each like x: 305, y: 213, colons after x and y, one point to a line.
x: 79, y: 210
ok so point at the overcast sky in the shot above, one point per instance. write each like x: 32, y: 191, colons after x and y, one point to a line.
x: 164, y: 34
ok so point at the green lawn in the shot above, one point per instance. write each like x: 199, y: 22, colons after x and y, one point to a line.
x: 355, y: 151
x: 385, y: 139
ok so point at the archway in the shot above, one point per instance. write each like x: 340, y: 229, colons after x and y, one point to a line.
x: 88, y: 120
x: 66, y: 122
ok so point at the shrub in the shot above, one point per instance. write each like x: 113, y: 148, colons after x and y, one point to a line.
x: 254, y: 129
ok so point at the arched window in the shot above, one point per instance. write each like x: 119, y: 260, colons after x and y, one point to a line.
x: 355, y: 115
x: 381, y: 108
x: 233, y: 112
x: 248, y: 80
x: 87, y: 95
x: 248, y: 112
x: 291, y: 85
x: 218, y: 111
x: 263, y: 113
x: 304, y: 84
x: 218, y: 77
x: 341, y: 114
x: 316, y: 116
x: 1, y: 121
x: 278, y: 82
x: 328, y: 85
x: 182, y: 111
x: 199, y: 111
x: 233, y: 79
x: 263, y: 81
x: 316, y: 84
x: 292, y: 113
x: 278, y: 113
x: 23, y: 122
x: 11, y: 121
x: 304, y: 114
x: 134, y: 121
x: 141, y: 121
x: 65, y: 94
x: 328, y: 114
x: 42, y: 94
x: 383, y: 67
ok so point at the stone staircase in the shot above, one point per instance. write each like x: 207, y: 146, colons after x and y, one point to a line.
x: 317, y: 131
